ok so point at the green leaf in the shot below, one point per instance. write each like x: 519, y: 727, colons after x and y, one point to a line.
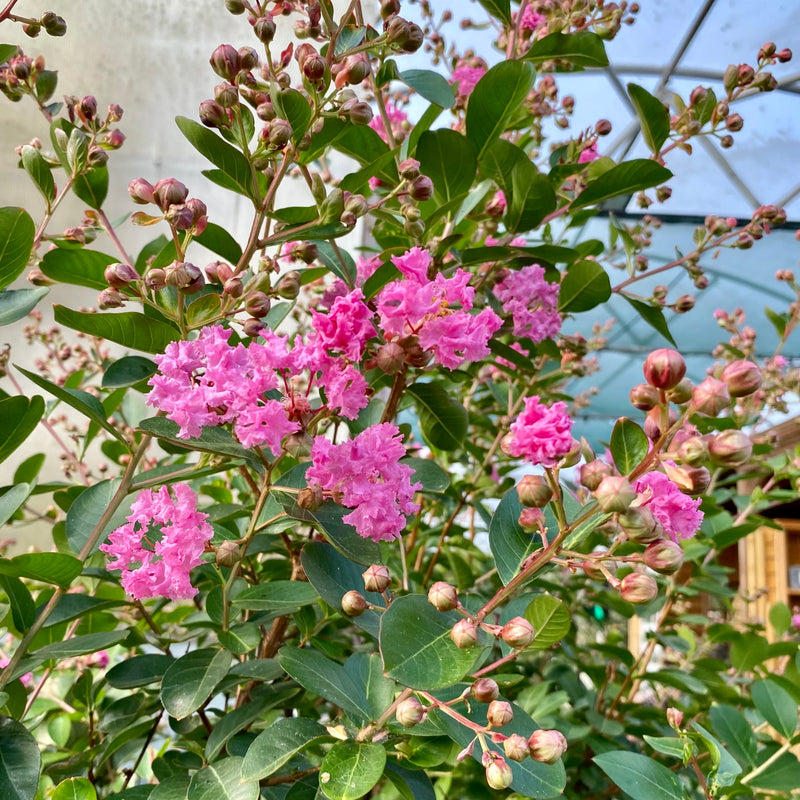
x: 509, y: 542
x: 629, y: 445
x: 550, y: 619
x: 498, y: 8
x: 640, y: 776
x: 221, y: 154
x: 83, y: 402
x: 585, y: 286
x: 283, y: 596
x: 725, y: 767
x: 367, y: 671
x: 278, y: 743
x: 17, y: 230
x: 23, y: 609
x: 74, y: 789
x: 497, y: 96
x: 223, y: 780
x: 748, y: 650
x: 128, y: 328
x: 77, y: 267
x: 20, y: 762
x: 17, y: 303
x: 443, y: 421
x: 350, y: 769
x: 128, y: 371
x: 332, y: 575
x: 58, y: 568
x: 325, y: 678
x: 782, y: 775
x: 86, y: 510
x: 189, y: 681
x: 623, y: 179
x: 298, y: 112
x: 430, y: 85
x: 432, y: 477
x: 8, y: 51
x: 668, y: 745
x: 92, y: 186
x: 139, y: 671
x: 349, y: 36
x: 219, y: 241
x: 652, y: 316
x: 29, y: 469
x: 79, y: 645
x: 18, y: 418
x: 776, y: 705
x: 583, y: 49
x: 35, y: 165
x: 780, y: 617
x: 449, y: 160
x: 12, y: 500
x: 416, y: 647
x: 653, y: 116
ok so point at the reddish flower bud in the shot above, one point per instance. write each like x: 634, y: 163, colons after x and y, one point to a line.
x: 499, y: 713
x: 682, y: 393
x: 674, y: 718
x: 592, y: 474
x: 310, y: 498
x: 531, y: 519
x: 734, y: 122
x: 742, y: 378
x: 443, y: 596
x: 233, y: 287
x: 690, y: 480
x: 110, y: 298
x: 710, y: 397
x: 547, y: 746
x: 693, y: 451
x: 464, y: 634
x: 390, y: 357
x: 257, y: 304
x: 288, y: 287
x: 280, y: 132
x: 225, y: 62
x: 516, y: 747
x: 360, y: 113
x: 354, y: 604
x: 603, y: 127
x: 517, y: 633
x: 484, y: 690
x: 640, y: 525
x: 644, y: 397
x: 140, y: 191
x: 226, y: 94
x: 614, y: 493
x: 179, y: 216
x: 654, y: 422
x: 376, y: 578
x: 664, y: 556
x: 664, y: 368
x: 119, y: 275
x: 636, y: 587
x: 409, y: 169
x: 409, y: 712
x: 534, y: 491
x: 498, y: 773
x: 730, y: 448
x: 156, y: 279
x: 421, y: 188
x: 264, y: 29
x: 168, y: 192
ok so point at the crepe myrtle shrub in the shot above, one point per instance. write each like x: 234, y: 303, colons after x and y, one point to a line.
x: 327, y: 523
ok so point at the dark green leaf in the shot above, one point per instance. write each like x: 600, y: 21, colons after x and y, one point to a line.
x: 629, y: 445
x: 640, y: 776
x: 427, y: 472
x: 85, y: 512
x: 337, y: 260
x: 92, y: 186
x: 509, y: 542
x: 18, y: 418
x: 139, y: 671
x: 748, y: 650
x: 223, y: 780
x: 623, y: 179
x: 283, y: 596
x: 352, y: 769
x: 128, y: 371
x: 668, y: 745
x: 79, y: 645
x: 725, y: 767
x: 652, y: 316
x: 653, y: 116
x: 448, y: 159
x: 219, y: 153
x: 416, y: 647
x: 430, y: 85
x: 278, y: 743
x: 12, y: 500
x: 781, y: 775
x: 58, y: 568
x: 23, y: 609
x: 20, y: 762
x: 497, y: 96
x: 17, y: 303
x: 498, y: 8
x: 8, y: 51
x: 298, y: 112
x: 16, y: 241
x: 776, y: 705
x: 219, y: 241
x: 583, y: 49
x: 325, y: 678
x: 550, y: 619
x: 585, y: 286
x: 77, y: 267
x: 444, y: 422
x: 29, y: 469
x: 189, y: 681
x: 35, y: 165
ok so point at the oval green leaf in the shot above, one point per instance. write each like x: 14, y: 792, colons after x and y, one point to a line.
x: 57, y: 568
x: 12, y: 500
x: 444, y: 422
x: 776, y: 705
x: 550, y: 619
x: 75, y: 789
x: 640, y: 776
x: 275, y: 745
x: 17, y: 230
x: 350, y: 769
x: 223, y: 780
x: 139, y: 671
x: 629, y: 445
x: 430, y: 85
x: 77, y: 267
x: 128, y: 371
x: 585, y: 286
x: 283, y: 596
x: 449, y: 160
x: 583, y: 49
x: 17, y: 303
x: 86, y: 510
x: 653, y: 116
x: 18, y: 417
x: 189, y: 681
x: 21, y: 761
x: 627, y: 178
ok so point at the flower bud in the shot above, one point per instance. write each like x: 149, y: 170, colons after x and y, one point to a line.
x: 710, y: 397
x: 498, y: 774
x: 119, y: 275
x: 674, y: 718
x: 409, y: 712
x: 533, y: 491
x: 414, y: 40
x: 484, y: 690
x: 110, y: 298
x: 257, y: 304
x: 614, y: 493
x: 280, y: 132
x: 233, y: 287
x: 693, y: 451
x: 409, y: 169
x: 516, y: 747
x: 443, y: 596
x: 298, y: 445
x: 690, y: 480
x: 390, y: 358
x: 288, y: 287
x: 310, y: 498
x: 499, y: 713
x: 664, y: 556
x: 464, y: 633
x: 376, y: 578
x: 592, y: 474
x: 640, y: 525
x: 603, y: 127
x: 225, y: 62
x: 421, y: 188
x: 168, y: 192
x: 140, y: 191
x: 353, y: 603
x: 654, y: 422
x: 360, y: 113
x: 636, y: 587
x: 547, y: 746
x: 155, y: 280
x: 235, y: 6
x: 730, y: 448
x: 664, y: 368
x: 531, y: 520
x: 517, y: 633
x: 644, y: 397
x: 682, y: 393
x: 742, y: 378
x: 228, y: 554
x: 53, y: 24
x: 357, y: 205
x: 213, y: 115
x: 734, y: 122
x: 264, y: 29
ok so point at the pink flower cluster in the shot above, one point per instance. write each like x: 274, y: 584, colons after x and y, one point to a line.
x: 540, y: 434
x: 366, y: 475
x: 466, y: 78
x: 160, y: 567
x: 436, y: 311
x: 589, y: 154
x: 532, y: 20
x: 678, y: 514
x: 532, y: 303
x: 397, y: 118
